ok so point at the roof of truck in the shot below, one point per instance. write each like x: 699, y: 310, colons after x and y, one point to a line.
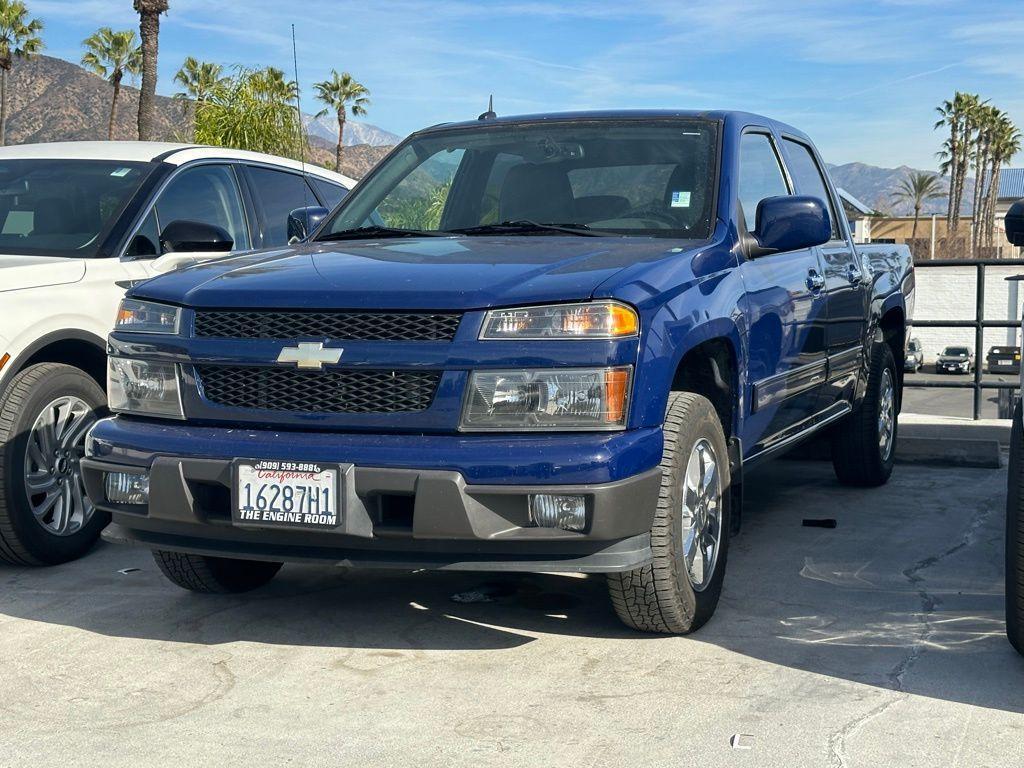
x: 625, y: 114
x: 148, y: 151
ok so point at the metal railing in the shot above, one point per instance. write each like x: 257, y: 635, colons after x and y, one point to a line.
x: 979, y: 324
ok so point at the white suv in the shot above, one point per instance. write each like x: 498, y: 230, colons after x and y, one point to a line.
x: 79, y: 221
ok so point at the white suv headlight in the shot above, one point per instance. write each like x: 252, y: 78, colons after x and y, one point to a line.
x: 551, y: 399
x: 138, y: 386
x: 147, y: 317
x: 588, y: 320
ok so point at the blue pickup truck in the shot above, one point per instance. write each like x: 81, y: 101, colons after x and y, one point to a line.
x: 541, y: 343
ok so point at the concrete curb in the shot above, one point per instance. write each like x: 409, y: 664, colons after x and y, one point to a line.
x: 948, y: 452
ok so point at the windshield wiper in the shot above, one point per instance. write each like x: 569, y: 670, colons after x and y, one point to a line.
x: 526, y: 226
x: 379, y: 232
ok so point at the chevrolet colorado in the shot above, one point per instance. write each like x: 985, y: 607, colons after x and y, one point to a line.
x: 540, y: 343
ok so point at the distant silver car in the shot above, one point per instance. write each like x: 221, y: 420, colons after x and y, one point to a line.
x: 955, y: 359
x: 914, y: 358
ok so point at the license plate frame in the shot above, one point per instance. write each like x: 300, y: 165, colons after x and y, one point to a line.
x: 294, y: 474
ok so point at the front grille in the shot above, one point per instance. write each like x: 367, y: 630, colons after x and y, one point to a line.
x: 288, y: 389
x: 342, y: 326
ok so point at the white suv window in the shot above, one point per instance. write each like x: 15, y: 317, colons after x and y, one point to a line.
x: 206, y: 193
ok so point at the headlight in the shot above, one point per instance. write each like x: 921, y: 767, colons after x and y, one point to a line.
x: 147, y: 317
x: 137, y: 386
x: 551, y: 399
x: 591, y: 320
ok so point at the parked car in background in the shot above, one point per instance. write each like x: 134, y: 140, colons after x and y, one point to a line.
x: 1003, y: 360
x: 543, y: 343
x: 78, y: 222
x: 955, y: 359
x: 1014, y: 542
x: 914, y: 358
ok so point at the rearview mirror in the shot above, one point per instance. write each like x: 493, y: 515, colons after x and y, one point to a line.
x: 195, y: 237
x: 1015, y: 223
x: 791, y: 223
x: 302, y: 221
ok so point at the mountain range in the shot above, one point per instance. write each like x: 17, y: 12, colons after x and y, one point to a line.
x: 50, y: 99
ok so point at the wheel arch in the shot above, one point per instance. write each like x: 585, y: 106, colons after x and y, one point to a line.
x: 80, y: 349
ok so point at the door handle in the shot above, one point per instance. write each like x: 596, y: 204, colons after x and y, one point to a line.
x: 815, y: 282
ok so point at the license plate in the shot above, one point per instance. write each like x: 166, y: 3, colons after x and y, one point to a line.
x: 286, y: 494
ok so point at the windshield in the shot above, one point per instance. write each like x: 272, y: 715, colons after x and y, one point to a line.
x: 914, y: 346
x: 624, y: 177
x: 957, y: 351
x: 62, y: 207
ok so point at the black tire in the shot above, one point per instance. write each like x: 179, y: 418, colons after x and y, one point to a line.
x: 23, y: 541
x: 660, y: 597
x: 1015, y: 536
x: 857, y: 456
x: 214, y: 575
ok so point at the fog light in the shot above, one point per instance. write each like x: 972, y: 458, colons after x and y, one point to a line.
x: 125, y: 488
x: 566, y: 512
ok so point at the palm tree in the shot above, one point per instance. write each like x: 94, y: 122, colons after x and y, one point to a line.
x: 1006, y: 143
x: 917, y: 188
x: 960, y: 116
x: 339, y: 93
x: 19, y: 39
x: 112, y: 55
x: 199, y: 79
x: 149, y: 29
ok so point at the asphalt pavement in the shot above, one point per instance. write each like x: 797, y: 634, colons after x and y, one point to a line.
x: 950, y: 402
x: 879, y: 642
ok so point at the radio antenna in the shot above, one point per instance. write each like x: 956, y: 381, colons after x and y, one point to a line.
x: 302, y: 127
x: 490, y: 114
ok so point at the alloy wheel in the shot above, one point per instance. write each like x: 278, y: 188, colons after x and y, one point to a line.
x: 886, y: 414
x: 702, y: 514
x: 53, y: 477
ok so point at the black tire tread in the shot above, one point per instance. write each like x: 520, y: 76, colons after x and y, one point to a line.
x: 213, y: 575
x: 855, y: 442
x: 1015, y: 536
x: 647, y: 598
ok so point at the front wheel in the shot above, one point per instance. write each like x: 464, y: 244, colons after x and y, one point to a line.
x: 1015, y: 536
x: 45, y: 516
x: 214, y: 575
x: 864, y: 444
x: 678, y: 592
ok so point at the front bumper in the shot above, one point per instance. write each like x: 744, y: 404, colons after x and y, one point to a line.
x: 437, y: 514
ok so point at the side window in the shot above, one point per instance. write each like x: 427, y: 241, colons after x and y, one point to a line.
x: 808, y: 178
x: 760, y: 175
x: 147, y: 240
x: 206, y: 193
x: 331, y: 194
x: 278, y: 193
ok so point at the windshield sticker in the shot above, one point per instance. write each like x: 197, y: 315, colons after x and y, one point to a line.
x: 121, y: 172
x: 680, y: 199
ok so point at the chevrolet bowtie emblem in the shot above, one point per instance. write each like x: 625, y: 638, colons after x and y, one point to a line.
x: 309, y: 355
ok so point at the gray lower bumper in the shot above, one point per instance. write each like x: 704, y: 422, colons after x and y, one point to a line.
x: 393, y: 518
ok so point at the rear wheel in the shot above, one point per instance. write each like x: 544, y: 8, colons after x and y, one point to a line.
x: 864, y: 445
x: 45, y: 516
x: 217, y: 575
x: 678, y: 592
x: 1015, y: 536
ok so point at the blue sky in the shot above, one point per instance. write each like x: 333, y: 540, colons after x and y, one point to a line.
x: 862, y: 77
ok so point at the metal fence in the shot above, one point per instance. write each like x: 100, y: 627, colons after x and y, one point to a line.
x: 979, y: 324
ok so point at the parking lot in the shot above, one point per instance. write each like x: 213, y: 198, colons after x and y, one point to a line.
x: 879, y: 639
x: 951, y: 402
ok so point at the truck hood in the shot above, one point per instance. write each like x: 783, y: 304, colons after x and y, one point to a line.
x: 20, y: 272
x: 414, y: 273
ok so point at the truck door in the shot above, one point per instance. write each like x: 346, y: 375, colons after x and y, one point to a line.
x: 785, y: 313
x: 846, y: 288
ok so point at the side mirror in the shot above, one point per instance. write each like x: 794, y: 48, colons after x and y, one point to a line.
x: 790, y: 223
x: 184, y: 236
x: 1015, y: 223
x: 302, y: 221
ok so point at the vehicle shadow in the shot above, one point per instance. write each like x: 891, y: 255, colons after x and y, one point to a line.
x: 904, y: 594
